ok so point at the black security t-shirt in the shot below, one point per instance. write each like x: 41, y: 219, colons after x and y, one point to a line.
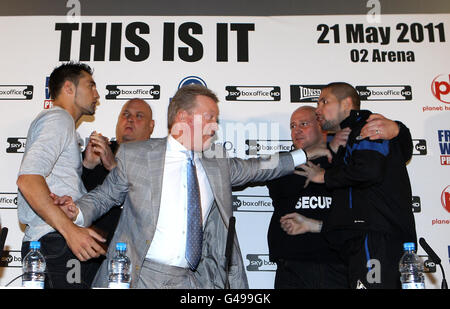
x: 314, y: 201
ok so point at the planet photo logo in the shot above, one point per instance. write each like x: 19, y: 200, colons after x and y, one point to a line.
x: 445, y: 198
x: 440, y: 87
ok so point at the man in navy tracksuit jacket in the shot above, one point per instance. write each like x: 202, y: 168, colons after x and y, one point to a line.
x: 372, y: 213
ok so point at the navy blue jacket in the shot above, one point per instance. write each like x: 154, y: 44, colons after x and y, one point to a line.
x: 370, y: 183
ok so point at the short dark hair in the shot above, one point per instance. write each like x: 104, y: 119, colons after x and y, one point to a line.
x: 342, y: 90
x: 71, y: 71
x: 184, y: 99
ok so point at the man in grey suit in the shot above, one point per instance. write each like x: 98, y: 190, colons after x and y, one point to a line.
x: 152, y: 180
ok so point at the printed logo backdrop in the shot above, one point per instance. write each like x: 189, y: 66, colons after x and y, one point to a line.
x: 262, y: 68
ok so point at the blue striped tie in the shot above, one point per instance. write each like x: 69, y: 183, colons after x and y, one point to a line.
x: 194, y: 237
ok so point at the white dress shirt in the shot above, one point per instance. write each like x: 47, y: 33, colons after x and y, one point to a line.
x: 169, y: 242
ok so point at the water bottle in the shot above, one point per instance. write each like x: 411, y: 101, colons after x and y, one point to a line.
x: 411, y: 268
x: 33, y: 266
x: 119, y: 268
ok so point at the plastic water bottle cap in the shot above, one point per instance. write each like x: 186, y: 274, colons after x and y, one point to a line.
x: 35, y: 245
x: 122, y: 246
x: 409, y: 246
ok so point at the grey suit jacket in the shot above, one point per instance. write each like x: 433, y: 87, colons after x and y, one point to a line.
x: 137, y: 183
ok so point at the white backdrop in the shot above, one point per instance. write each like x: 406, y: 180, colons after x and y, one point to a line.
x: 262, y: 68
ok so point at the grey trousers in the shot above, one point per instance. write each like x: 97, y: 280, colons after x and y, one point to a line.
x: 158, y: 276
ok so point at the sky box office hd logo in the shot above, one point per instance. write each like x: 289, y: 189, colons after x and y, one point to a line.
x: 8, y: 200
x: 16, y: 92
x: 16, y: 144
x: 419, y: 147
x: 260, y: 262
x: 252, y: 203
x: 384, y: 93
x: 253, y: 93
x: 259, y: 147
x: 127, y: 92
x: 311, y: 93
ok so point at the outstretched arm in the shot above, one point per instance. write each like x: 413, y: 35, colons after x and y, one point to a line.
x: 81, y: 241
x: 278, y: 165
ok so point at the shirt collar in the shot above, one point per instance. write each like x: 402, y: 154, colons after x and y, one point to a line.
x: 174, y: 145
x: 176, y: 149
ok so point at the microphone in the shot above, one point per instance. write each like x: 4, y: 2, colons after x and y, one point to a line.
x: 429, y: 251
x: 434, y: 257
x: 3, y: 234
x: 229, y: 249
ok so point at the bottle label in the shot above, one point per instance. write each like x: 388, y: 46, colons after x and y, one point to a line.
x: 413, y: 286
x: 33, y: 284
x: 119, y: 285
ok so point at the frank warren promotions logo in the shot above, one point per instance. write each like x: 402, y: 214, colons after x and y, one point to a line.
x: 440, y: 87
x: 445, y: 198
x: 48, y: 102
x: 444, y: 146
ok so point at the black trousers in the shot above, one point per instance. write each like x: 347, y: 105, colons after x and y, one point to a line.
x: 297, y: 274
x: 373, y: 260
x: 64, y: 270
